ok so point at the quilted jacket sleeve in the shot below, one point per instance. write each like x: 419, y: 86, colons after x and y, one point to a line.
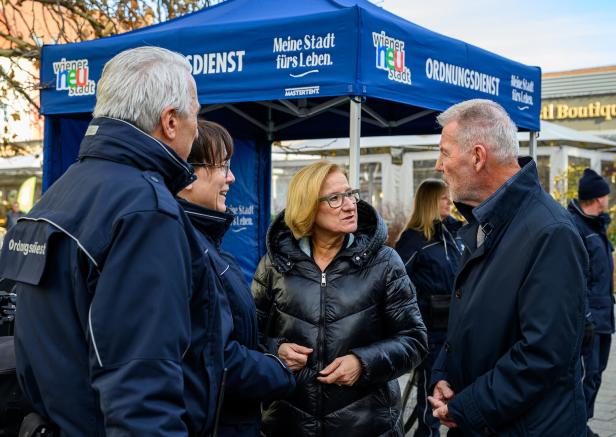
x: 264, y: 301
x: 406, y: 344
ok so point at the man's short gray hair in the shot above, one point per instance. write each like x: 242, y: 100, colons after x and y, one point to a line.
x: 484, y: 122
x: 138, y: 84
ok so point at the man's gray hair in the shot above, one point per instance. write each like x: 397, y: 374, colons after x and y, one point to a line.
x: 484, y: 122
x: 138, y: 84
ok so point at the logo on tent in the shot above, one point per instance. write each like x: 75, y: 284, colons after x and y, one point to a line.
x: 73, y: 76
x: 390, y: 57
x: 302, y: 91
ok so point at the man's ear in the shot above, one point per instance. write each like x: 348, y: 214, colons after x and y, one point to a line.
x: 169, y: 123
x: 479, y: 156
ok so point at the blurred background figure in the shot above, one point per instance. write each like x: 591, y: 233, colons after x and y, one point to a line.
x: 251, y: 376
x: 337, y: 306
x: 430, y: 253
x: 590, y: 215
x: 13, y: 215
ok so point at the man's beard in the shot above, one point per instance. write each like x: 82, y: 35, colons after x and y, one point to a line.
x: 467, y: 194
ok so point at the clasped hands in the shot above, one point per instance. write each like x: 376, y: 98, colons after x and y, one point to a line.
x: 440, y: 397
x: 343, y: 370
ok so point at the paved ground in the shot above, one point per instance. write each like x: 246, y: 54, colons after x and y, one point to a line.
x: 604, y: 422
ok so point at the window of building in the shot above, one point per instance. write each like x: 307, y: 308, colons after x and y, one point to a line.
x: 371, y: 183
x: 574, y: 173
x: 543, y: 167
x: 608, y: 171
x: 424, y: 169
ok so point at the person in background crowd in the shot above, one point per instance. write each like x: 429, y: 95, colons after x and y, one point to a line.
x: 590, y: 215
x: 430, y: 254
x: 117, y: 327
x: 251, y: 375
x: 511, y: 362
x: 337, y: 306
x: 13, y: 215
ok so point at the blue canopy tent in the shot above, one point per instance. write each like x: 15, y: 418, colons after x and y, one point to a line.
x: 271, y: 70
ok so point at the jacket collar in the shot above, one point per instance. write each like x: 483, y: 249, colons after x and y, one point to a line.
x: 207, y: 221
x: 284, y: 250
x: 497, y: 210
x: 599, y: 222
x: 120, y: 141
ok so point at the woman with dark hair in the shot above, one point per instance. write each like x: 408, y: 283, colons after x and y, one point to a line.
x: 251, y: 376
x: 430, y: 254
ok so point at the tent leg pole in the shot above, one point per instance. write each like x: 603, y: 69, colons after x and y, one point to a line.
x: 532, y: 145
x: 354, y: 138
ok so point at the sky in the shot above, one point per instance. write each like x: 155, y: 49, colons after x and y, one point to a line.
x: 555, y: 35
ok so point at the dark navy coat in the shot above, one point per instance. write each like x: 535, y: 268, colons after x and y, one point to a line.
x: 118, y: 326
x: 431, y: 264
x: 600, y: 280
x: 512, y: 354
x: 252, y: 376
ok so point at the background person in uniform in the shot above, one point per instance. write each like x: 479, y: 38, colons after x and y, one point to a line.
x: 117, y: 326
x: 590, y: 215
x: 511, y: 362
x: 251, y: 375
x: 338, y: 307
x: 13, y: 215
x: 430, y: 254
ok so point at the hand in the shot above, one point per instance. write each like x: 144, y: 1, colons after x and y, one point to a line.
x: 294, y: 355
x: 342, y: 371
x: 442, y: 414
x: 442, y: 392
x: 440, y: 396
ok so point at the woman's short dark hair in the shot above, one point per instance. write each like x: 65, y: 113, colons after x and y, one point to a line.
x: 213, y: 145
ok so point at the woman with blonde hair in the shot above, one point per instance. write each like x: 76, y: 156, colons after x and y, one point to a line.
x: 337, y: 307
x: 430, y: 253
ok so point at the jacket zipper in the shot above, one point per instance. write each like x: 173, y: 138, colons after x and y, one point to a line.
x: 321, y: 346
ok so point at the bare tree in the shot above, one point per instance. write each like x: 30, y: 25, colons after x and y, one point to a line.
x: 25, y: 25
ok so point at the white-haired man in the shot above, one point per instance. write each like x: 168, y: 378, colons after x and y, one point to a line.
x: 510, y: 364
x: 116, y: 332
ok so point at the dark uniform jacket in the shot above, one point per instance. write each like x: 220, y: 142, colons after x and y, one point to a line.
x: 432, y: 265
x: 118, y: 326
x: 600, y: 280
x: 251, y: 375
x: 362, y: 304
x: 512, y: 354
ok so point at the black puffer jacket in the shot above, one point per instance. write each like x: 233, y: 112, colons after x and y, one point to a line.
x: 364, y: 303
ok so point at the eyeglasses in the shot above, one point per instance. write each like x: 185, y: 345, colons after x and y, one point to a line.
x: 224, y: 167
x: 335, y: 200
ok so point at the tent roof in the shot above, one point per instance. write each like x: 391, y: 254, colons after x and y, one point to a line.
x: 263, y: 65
x: 240, y: 12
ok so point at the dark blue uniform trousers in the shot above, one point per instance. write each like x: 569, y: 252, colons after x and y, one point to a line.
x: 595, y: 361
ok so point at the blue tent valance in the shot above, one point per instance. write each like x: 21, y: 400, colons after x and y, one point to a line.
x: 267, y: 50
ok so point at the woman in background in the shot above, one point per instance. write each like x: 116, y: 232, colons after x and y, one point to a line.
x: 430, y: 254
x: 251, y: 376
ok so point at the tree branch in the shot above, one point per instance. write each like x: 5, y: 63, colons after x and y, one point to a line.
x: 17, y: 87
x: 74, y: 7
